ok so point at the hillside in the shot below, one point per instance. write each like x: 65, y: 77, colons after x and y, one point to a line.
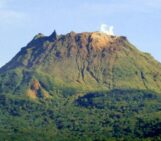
x: 80, y: 86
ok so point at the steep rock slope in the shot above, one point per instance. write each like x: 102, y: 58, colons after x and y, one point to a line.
x: 85, y: 61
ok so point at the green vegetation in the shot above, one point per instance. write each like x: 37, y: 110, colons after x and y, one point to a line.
x: 115, y: 115
x: 80, y: 87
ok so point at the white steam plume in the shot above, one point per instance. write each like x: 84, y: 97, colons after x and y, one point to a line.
x: 107, y: 29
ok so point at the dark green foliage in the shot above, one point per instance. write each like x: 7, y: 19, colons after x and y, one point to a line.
x: 103, y: 116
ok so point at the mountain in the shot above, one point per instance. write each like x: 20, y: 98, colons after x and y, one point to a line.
x: 80, y: 86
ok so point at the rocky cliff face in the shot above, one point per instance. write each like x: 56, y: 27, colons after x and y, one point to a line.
x: 88, y: 61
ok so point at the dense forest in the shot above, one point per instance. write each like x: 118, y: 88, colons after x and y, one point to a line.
x: 96, y: 116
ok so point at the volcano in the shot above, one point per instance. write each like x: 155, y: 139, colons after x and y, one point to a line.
x: 80, y: 86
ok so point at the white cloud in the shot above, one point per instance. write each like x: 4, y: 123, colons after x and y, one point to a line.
x: 9, y: 16
x: 106, y: 29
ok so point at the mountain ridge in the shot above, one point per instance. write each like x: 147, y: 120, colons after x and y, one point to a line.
x: 80, y: 87
x: 93, y: 59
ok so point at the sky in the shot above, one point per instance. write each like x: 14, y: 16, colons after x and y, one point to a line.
x: 21, y: 20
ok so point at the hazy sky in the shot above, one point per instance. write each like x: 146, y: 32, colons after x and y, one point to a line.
x: 20, y: 20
